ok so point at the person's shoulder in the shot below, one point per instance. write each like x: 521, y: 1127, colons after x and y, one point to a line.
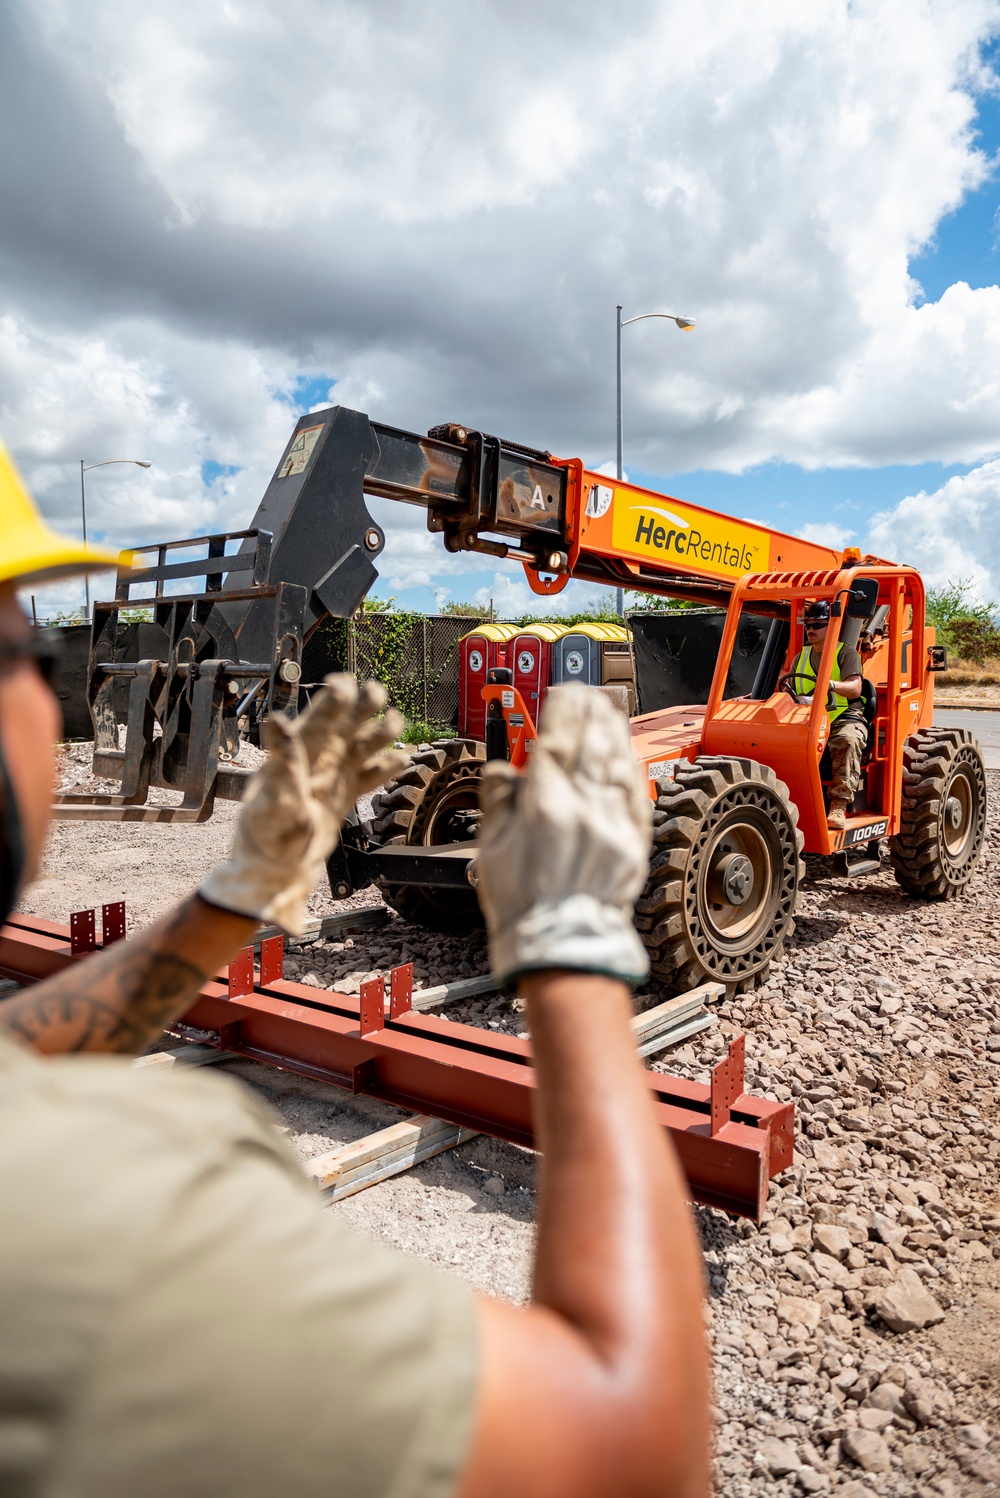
x: 850, y: 661
x: 135, y: 1109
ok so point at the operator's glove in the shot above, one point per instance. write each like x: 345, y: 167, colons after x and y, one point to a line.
x: 564, y: 848
x: 317, y: 766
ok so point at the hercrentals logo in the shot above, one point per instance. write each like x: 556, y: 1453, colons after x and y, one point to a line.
x: 705, y: 543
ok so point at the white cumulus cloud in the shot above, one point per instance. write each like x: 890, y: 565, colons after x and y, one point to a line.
x: 950, y: 534
x: 436, y: 209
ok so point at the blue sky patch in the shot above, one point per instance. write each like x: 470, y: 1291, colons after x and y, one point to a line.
x: 965, y: 245
x: 311, y: 390
x: 787, y: 497
x: 210, y: 471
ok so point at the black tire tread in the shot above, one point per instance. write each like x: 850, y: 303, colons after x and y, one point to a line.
x: 681, y: 809
x: 918, y: 854
x: 395, y: 813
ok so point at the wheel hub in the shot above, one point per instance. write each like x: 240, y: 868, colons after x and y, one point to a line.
x: 958, y: 815
x: 734, y: 878
x: 739, y: 880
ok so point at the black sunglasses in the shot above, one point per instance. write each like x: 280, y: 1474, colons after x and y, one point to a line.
x: 44, y: 647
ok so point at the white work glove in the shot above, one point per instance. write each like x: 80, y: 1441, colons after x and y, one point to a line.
x: 564, y: 847
x: 317, y: 766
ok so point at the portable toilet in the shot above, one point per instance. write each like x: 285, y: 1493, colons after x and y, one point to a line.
x: 481, y: 649
x: 530, y: 655
x: 597, y: 654
x: 617, y: 665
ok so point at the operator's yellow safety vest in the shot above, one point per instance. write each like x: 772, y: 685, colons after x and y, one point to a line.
x: 804, y: 673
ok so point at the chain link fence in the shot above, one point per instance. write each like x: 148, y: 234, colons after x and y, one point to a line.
x: 415, y: 656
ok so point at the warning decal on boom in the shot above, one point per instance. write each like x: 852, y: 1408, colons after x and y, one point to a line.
x: 300, y: 451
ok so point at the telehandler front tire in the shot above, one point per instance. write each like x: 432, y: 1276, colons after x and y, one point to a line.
x: 433, y: 802
x: 943, y: 826
x: 724, y: 875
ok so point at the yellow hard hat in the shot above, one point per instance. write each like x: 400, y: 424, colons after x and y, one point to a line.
x: 29, y: 551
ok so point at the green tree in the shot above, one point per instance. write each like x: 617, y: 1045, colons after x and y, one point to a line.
x: 464, y: 610
x: 966, y: 626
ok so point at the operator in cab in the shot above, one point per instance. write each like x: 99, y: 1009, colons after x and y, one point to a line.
x: 178, y: 1317
x: 848, y: 729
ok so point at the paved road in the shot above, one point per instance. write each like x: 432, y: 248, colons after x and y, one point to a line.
x: 985, y: 725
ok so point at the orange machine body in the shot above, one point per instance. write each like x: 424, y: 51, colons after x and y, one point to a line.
x: 791, y: 736
x: 521, y: 732
x: 780, y: 732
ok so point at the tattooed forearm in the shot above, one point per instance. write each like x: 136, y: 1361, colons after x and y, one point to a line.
x: 121, y: 999
x: 121, y: 1012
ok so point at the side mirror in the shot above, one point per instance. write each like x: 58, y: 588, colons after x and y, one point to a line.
x: 862, y: 600
x: 937, y: 658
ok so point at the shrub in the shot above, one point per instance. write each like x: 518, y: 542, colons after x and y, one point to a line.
x: 965, y: 626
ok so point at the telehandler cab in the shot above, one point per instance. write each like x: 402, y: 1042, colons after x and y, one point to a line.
x: 737, y: 781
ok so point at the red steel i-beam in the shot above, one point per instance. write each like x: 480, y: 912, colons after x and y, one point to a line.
x: 729, y: 1143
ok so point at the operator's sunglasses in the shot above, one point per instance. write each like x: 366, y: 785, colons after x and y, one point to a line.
x: 44, y: 647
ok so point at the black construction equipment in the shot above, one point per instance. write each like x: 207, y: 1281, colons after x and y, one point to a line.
x: 170, y: 696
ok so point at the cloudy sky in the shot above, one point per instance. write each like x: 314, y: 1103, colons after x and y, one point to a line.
x: 216, y: 217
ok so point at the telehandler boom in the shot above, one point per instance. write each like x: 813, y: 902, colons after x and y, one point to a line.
x: 738, y: 781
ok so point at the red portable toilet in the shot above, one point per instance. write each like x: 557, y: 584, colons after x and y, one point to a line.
x: 478, y: 652
x: 530, y: 655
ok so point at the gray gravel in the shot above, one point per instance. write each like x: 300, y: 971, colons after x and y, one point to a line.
x: 883, y: 1022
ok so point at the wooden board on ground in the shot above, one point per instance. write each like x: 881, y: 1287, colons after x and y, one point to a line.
x: 353, y: 1167
x: 667, y: 1024
x: 675, y: 1020
x: 331, y: 927
x: 186, y: 1055
x: 450, y: 993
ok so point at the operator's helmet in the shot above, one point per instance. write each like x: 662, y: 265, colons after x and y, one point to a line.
x: 29, y: 551
x: 817, y: 612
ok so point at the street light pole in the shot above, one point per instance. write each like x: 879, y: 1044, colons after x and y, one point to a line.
x: 685, y: 324
x: 83, y: 511
x: 85, y: 468
x: 619, y: 592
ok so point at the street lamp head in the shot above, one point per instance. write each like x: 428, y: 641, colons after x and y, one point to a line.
x: 141, y: 464
x: 684, y: 323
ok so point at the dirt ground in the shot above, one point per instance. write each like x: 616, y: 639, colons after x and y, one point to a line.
x: 882, y: 1021
x: 973, y: 695
x: 968, y: 685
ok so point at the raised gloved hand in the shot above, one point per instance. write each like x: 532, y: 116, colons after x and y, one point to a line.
x: 317, y: 766
x: 564, y: 847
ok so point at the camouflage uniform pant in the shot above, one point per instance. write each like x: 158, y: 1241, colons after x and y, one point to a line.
x: 848, y: 737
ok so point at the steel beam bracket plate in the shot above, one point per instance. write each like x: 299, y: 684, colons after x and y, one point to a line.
x: 241, y: 974
x: 82, y: 932
x: 372, y: 1015
x: 400, y: 990
x: 113, y: 922
x: 727, y: 1082
x: 272, y: 960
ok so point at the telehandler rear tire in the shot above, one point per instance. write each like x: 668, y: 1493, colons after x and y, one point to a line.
x: 429, y: 805
x: 943, y: 813
x: 724, y: 875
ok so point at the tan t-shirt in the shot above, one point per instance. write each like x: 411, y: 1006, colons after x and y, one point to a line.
x: 177, y: 1317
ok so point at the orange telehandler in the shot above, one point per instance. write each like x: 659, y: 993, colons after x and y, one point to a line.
x: 737, y: 781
